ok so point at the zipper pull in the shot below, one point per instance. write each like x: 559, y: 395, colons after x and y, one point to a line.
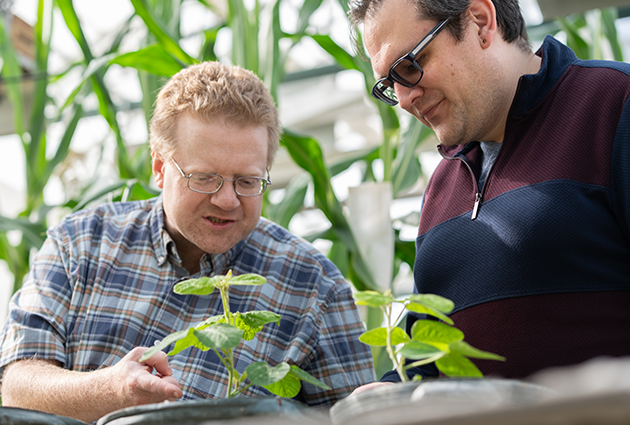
x: 475, y: 210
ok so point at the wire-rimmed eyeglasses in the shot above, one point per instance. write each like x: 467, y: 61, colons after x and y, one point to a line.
x: 211, y: 183
x: 405, y: 71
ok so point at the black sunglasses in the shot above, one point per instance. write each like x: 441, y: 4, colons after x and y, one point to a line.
x: 406, y: 70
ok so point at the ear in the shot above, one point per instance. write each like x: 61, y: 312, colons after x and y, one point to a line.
x: 483, y: 17
x: 158, y: 169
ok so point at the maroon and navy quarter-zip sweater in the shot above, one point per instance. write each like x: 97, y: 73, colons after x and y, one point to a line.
x: 538, y: 260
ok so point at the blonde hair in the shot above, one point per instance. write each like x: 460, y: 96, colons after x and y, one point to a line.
x: 211, y: 91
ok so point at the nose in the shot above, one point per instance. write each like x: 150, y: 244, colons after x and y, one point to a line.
x: 407, y: 96
x: 226, y: 197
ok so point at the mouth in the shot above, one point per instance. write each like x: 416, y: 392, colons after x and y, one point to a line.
x: 428, y: 113
x: 217, y: 220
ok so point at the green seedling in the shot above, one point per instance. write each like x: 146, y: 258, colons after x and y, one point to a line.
x: 430, y: 340
x: 225, y: 332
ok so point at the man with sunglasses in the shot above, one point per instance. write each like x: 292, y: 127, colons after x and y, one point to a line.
x: 525, y: 223
x: 101, y: 288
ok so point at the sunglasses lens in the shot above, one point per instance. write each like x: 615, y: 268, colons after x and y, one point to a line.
x: 406, y: 73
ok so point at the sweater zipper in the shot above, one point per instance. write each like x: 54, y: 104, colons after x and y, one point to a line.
x: 478, y: 193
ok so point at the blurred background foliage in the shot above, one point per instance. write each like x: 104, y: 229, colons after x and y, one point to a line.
x: 259, y: 44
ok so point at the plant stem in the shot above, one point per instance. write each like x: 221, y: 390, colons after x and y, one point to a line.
x: 425, y: 361
x: 229, y: 355
x: 390, y: 348
x: 242, y: 389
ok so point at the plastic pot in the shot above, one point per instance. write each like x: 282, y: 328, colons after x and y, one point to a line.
x: 194, y: 412
x: 16, y: 416
x: 414, y: 402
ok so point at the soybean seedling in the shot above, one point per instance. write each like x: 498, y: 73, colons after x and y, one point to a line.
x: 223, y: 333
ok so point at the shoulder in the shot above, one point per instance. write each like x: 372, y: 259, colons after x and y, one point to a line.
x: 106, y: 218
x: 280, y: 251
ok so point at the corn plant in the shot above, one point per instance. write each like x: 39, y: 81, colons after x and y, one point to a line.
x: 223, y: 333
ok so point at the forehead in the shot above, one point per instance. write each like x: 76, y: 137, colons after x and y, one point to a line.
x: 391, y: 31
x: 221, y: 143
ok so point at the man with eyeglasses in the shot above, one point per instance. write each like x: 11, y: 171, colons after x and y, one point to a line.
x: 525, y: 223
x: 101, y: 288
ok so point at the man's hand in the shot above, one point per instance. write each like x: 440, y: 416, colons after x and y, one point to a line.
x: 44, y: 385
x: 137, y: 383
x: 367, y: 387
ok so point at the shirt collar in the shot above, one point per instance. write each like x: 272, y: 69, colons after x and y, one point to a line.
x: 163, y: 245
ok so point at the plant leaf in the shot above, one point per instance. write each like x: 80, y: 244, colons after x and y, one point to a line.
x: 175, y: 336
x: 153, y: 59
x: 307, y: 377
x: 378, y: 337
x: 190, y: 340
x: 211, y: 321
x: 247, y: 279
x: 252, y: 322
x: 160, y: 34
x: 260, y: 373
x: 465, y: 349
x: 287, y: 387
x: 456, y: 365
x: 423, y: 309
x: 434, y: 301
x: 32, y: 233
x: 220, y: 335
x: 373, y: 298
x: 432, y: 332
x: 417, y: 350
x: 202, y: 286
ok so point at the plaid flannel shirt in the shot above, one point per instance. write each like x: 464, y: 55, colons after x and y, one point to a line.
x: 102, y: 284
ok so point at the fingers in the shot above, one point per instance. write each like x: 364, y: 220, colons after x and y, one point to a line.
x: 367, y: 387
x: 162, y: 388
x: 145, y: 386
x: 159, y: 362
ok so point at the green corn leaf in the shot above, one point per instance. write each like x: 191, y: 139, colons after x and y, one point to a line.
x: 307, y: 377
x: 417, y: 350
x: 38, y: 121
x: 220, y: 335
x: 73, y: 24
x: 378, y: 337
x: 101, y: 193
x: 202, y: 286
x: 343, y: 58
x: 12, y: 72
x: 432, y: 332
x: 609, y: 16
x: 174, y: 337
x: 247, y: 279
x: 154, y: 59
x: 574, y: 39
x: 457, y: 365
x: 260, y: 373
x: 465, y: 349
x: 33, y: 234
x: 291, y: 204
x: 64, y: 145
x: 306, y: 11
x: 406, y: 167
x: 160, y: 34
x: 373, y: 298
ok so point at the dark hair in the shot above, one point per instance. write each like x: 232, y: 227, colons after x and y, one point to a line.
x: 509, y: 18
